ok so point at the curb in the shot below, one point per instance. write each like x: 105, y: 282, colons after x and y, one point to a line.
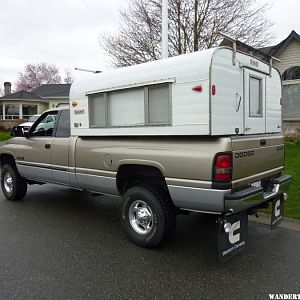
x: 286, y: 223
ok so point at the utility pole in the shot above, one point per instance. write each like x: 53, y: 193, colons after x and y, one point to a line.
x: 165, y: 29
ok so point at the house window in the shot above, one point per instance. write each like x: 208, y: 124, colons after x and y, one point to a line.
x: 29, y: 110
x: 291, y: 100
x: 149, y: 105
x: 255, y: 98
x: 292, y: 73
x: 12, y: 112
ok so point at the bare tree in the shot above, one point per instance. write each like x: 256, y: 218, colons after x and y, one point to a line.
x: 193, y: 26
x: 34, y: 75
x: 69, y: 77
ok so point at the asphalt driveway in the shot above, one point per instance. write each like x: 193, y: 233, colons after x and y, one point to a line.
x: 63, y: 244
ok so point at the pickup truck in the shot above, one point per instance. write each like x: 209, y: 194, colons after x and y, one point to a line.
x: 157, y: 177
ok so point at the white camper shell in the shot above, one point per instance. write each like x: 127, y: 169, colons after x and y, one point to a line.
x: 211, y: 92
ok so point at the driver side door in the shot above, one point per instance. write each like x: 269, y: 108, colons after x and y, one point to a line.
x: 34, y: 157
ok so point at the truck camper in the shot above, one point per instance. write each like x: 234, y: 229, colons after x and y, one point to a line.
x: 199, y: 132
x: 198, y: 94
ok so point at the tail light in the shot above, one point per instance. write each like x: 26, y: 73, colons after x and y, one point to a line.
x: 222, y: 169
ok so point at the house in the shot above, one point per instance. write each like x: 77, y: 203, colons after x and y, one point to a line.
x: 23, y: 104
x: 288, y: 51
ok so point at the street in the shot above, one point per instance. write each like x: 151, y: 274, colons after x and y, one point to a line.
x: 64, y: 244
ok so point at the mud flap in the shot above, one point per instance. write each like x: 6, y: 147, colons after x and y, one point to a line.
x: 277, y: 211
x: 232, y: 242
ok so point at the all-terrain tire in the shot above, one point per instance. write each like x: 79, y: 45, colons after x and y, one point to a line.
x: 148, y: 215
x: 14, y: 187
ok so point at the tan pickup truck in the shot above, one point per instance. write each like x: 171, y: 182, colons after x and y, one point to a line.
x: 199, y: 132
x: 156, y: 177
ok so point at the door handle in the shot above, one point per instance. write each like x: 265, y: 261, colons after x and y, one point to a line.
x: 239, y: 105
x: 48, y: 146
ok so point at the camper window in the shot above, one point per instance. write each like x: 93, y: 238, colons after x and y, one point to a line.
x: 145, y: 106
x: 126, y: 107
x: 159, y: 102
x: 98, y: 104
x: 255, y: 97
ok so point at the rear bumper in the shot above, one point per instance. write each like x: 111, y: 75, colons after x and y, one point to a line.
x: 254, y: 196
x: 225, y: 201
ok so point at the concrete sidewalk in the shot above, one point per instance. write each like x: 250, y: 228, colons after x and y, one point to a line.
x: 286, y: 223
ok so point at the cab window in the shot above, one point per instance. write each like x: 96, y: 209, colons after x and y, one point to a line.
x: 44, y: 126
x: 63, y: 126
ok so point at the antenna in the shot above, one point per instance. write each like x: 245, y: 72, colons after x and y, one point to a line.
x: 86, y: 70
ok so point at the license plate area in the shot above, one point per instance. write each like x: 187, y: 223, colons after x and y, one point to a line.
x: 269, y: 189
x: 256, y: 184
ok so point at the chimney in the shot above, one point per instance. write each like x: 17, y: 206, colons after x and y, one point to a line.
x: 7, y: 88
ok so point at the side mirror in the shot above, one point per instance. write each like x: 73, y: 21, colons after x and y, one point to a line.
x: 17, y: 131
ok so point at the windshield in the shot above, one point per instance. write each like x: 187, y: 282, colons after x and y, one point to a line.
x: 33, y: 118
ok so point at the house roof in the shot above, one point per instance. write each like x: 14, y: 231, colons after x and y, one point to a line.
x: 53, y: 90
x: 21, y: 95
x: 272, y: 50
x: 264, y: 53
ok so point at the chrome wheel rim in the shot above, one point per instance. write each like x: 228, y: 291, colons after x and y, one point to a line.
x: 8, y: 182
x: 141, y: 217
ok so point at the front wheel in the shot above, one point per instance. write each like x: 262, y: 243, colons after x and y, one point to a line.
x: 148, y: 215
x: 14, y: 187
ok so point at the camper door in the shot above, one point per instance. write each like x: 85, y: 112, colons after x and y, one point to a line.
x: 254, y: 102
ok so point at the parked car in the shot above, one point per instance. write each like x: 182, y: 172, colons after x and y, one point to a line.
x: 26, y: 126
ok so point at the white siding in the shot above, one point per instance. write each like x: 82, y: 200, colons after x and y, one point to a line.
x: 289, y: 57
x: 54, y: 102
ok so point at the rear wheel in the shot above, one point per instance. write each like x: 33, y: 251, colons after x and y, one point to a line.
x: 148, y: 215
x: 14, y: 187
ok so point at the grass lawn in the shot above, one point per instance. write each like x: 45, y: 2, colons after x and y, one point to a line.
x: 292, y: 159
x: 4, y: 136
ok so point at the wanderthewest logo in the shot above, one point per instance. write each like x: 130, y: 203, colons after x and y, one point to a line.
x: 284, y: 296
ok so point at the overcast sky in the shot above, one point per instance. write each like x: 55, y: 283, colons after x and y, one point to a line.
x: 66, y: 32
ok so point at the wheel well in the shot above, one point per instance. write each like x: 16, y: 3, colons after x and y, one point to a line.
x: 130, y: 175
x: 7, y: 159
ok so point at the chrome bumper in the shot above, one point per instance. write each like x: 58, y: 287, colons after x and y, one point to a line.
x: 254, y: 196
x: 224, y: 201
